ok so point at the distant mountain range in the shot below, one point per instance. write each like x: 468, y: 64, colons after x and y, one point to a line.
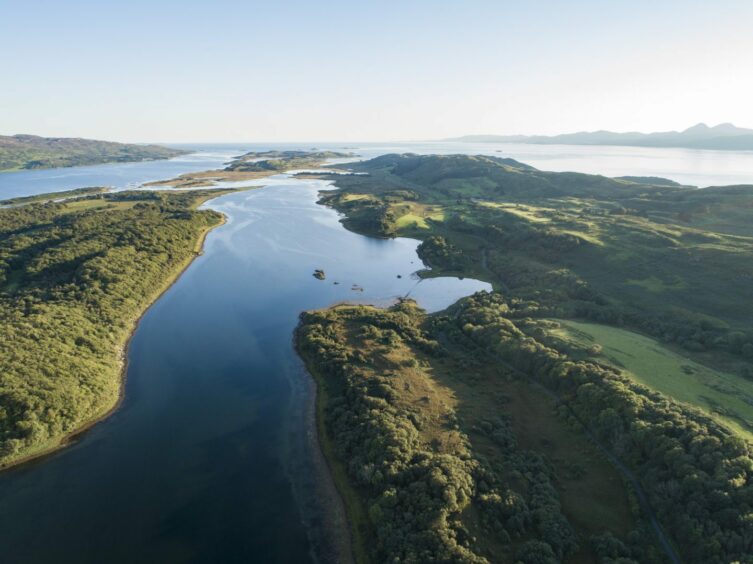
x: 18, y: 152
x: 724, y: 136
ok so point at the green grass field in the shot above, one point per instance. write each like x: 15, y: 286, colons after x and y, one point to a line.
x: 413, y: 216
x: 662, y: 273
x: 725, y: 397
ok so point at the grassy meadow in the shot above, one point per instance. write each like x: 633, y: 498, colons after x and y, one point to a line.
x: 726, y: 397
x: 621, y: 307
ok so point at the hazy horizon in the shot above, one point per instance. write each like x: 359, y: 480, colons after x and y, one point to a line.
x: 352, y: 141
x: 240, y: 72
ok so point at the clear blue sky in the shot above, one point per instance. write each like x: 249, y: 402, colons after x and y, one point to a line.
x: 336, y: 70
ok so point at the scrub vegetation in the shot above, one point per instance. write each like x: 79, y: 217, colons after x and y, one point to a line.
x: 74, y: 278
x: 625, y: 302
x: 251, y: 166
x: 19, y: 152
x: 65, y: 194
x: 280, y: 161
x: 453, y: 457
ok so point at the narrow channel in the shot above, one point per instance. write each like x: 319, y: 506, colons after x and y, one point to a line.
x: 211, y: 455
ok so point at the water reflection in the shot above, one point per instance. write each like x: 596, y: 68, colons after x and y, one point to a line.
x: 211, y: 457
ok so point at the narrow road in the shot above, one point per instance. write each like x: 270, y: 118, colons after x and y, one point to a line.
x: 664, y: 540
x: 628, y: 474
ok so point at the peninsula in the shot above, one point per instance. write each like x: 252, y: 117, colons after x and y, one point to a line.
x: 75, y: 276
x: 251, y: 166
x: 80, y: 267
x: 26, y: 152
x: 596, y: 407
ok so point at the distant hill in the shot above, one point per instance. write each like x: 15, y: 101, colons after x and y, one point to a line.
x: 486, y: 177
x: 19, y: 152
x: 724, y: 136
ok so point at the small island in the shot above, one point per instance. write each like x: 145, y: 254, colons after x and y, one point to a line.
x: 252, y: 166
x: 280, y: 161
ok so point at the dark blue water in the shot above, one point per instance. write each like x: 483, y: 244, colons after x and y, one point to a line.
x: 210, y: 457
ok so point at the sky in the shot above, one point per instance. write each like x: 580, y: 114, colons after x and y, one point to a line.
x: 225, y: 70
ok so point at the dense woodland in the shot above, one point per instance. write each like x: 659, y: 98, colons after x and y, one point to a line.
x: 442, y: 475
x: 670, y: 261
x: 74, y: 277
x: 667, y: 261
x: 32, y: 152
x: 57, y: 196
x: 698, y: 475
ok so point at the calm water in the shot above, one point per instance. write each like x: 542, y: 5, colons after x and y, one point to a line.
x: 208, y: 459
x: 687, y: 166
x: 119, y: 175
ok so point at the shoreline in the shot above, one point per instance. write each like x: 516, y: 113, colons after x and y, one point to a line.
x: 322, y: 506
x: 347, y: 500
x: 112, y: 162
x: 72, y: 437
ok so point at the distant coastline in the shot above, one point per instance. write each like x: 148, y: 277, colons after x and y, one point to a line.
x: 31, y: 152
x: 722, y: 137
x: 55, y: 444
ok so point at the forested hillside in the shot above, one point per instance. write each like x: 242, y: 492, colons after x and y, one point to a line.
x: 74, y: 278
x: 31, y: 151
x: 445, y: 456
x: 646, y: 266
x: 670, y: 261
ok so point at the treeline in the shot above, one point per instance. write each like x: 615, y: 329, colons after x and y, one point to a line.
x: 666, y: 260
x: 532, y: 260
x: 368, y: 216
x: 670, y: 262
x: 415, y: 496
x: 74, y: 277
x: 76, y: 192
x: 420, y: 474
x: 561, y: 292
x: 699, y: 476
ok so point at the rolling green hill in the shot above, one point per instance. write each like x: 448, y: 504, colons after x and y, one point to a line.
x: 629, y: 302
x: 19, y: 152
x: 673, y: 261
